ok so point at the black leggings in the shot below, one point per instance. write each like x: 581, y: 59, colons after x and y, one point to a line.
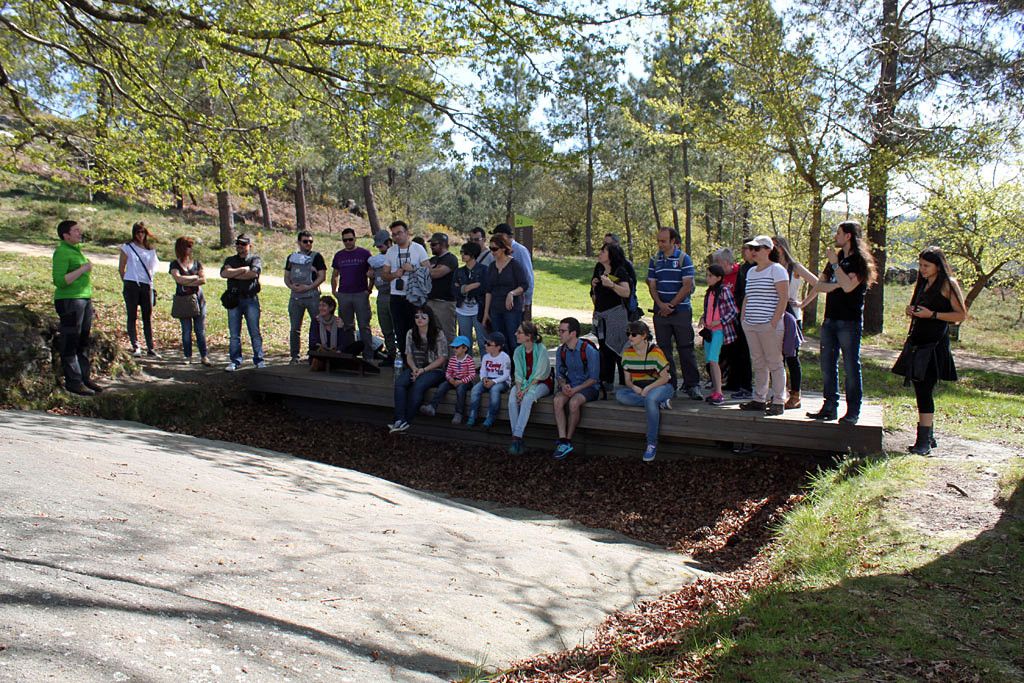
x: 925, y: 393
x: 795, y: 372
x: 137, y: 295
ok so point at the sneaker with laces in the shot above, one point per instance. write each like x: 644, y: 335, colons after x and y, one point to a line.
x: 666, y: 404
x: 294, y: 361
x: 695, y: 393
x: 516, y: 447
x: 651, y: 451
x: 741, y: 395
x: 742, y: 448
x: 562, y: 450
x: 262, y: 364
x: 231, y: 367
x: 427, y: 410
x: 457, y: 419
x: 716, y: 399
x: 136, y: 351
x: 399, y: 426
x: 153, y: 354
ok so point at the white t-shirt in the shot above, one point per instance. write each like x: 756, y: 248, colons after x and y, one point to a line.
x: 136, y: 256
x: 761, y: 298
x: 795, y: 283
x: 398, y: 257
x: 498, y: 368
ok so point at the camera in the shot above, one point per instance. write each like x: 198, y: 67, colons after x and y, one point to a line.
x: 399, y: 285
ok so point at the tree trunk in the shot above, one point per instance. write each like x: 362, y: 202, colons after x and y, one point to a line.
x: 879, y: 151
x: 625, y: 219
x: 179, y: 198
x: 687, y: 195
x: 371, y: 205
x: 268, y: 223
x: 392, y: 176
x: 976, y: 289
x: 746, y: 207
x: 225, y: 216
x: 707, y: 223
x: 589, y: 226
x: 300, y: 199
x: 192, y: 198
x: 814, y: 251
x: 672, y: 187
x: 721, y: 202
x: 509, y: 217
x: 654, y: 206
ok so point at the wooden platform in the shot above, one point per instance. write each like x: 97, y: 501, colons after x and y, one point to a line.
x: 608, y: 428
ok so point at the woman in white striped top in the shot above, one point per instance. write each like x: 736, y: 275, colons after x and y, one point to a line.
x: 767, y: 293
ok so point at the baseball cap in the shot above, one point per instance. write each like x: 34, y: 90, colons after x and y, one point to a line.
x: 761, y: 241
x: 461, y: 340
x: 381, y: 237
x: 243, y: 239
x: 496, y: 338
x: 439, y: 237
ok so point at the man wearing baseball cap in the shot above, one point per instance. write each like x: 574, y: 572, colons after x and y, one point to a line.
x: 242, y: 271
x: 441, y: 299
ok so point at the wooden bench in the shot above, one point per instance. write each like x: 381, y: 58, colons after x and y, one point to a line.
x: 607, y: 427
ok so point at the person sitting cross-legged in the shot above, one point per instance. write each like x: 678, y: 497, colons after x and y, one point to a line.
x: 495, y: 375
x: 648, y: 382
x: 578, y: 372
x: 532, y: 381
x: 459, y: 375
x: 328, y: 335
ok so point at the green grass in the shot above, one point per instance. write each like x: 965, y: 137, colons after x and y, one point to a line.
x: 869, y: 598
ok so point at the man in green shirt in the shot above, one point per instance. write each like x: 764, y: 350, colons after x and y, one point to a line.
x: 73, y: 301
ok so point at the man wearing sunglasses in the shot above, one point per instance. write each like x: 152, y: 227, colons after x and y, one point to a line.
x: 402, y: 258
x: 304, y: 272
x: 351, y: 287
x: 242, y: 271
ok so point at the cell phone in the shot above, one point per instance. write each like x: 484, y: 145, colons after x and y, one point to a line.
x: 399, y: 285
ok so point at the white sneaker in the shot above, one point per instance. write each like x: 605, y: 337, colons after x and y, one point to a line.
x: 400, y: 426
x: 187, y: 360
x: 136, y: 351
x: 262, y: 364
x: 666, y: 404
x: 231, y: 367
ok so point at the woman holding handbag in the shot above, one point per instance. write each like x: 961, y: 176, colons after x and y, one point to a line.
x: 137, y: 263
x: 189, y: 305
x: 926, y: 358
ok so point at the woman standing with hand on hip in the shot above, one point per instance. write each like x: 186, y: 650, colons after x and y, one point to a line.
x: 137, y: 263
x: 937, y: 302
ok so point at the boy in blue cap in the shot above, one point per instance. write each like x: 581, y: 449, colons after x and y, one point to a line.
x: 459, y: 374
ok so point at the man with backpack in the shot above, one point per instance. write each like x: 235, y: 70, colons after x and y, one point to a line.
x: 577, y: 377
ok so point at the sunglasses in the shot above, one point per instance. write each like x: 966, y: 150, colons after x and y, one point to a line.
x: 344, y: 239
x: 422, y: 316
x: 636, y: 334
x: 493, y: 248
x: 307, y: 241
x: 490, y: 343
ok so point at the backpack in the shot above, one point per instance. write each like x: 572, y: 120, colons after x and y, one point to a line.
x: 417, y: 289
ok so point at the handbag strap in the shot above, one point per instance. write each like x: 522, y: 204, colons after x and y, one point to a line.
x: 143, y: 263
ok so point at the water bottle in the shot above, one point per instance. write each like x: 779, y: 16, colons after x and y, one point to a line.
x: 399, y: 364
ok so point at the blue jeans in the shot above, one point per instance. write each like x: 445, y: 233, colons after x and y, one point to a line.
x: 494, y: 403
x: 199, y: 325
x: 460, y: 395
x: 409, y: 394
x: 836, y: 336
x: 468, y: 324
x: 506, y: 322
x: 248, y: 308
x: 651, y: 403
x: 296, y: 310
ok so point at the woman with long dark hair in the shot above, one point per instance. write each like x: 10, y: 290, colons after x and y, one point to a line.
x: 532, y: 381
x: 187, y: 273
x: 610, y: 290
x: 798, y: 275
x: 137, y: 264
x: 504, y: 286
x: 937, y: 301
x: 426, y: 352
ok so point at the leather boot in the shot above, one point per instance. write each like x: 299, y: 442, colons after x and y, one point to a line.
x: 826, y: 413
x: 923, y: 445
x: 793, y: 401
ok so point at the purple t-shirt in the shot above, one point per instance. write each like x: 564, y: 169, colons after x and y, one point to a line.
x: 352, y: 265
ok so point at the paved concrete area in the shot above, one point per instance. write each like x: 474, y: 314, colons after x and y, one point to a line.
x: 127, y: 553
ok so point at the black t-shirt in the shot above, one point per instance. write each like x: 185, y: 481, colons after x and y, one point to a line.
x: 840, y: 305
x: 741, y: 284
x: 244, y: 287
x: 185, y: 290
x: 441, y: 288
x: 604, y: 298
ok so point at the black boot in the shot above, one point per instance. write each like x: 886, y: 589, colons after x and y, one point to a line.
x: 923, y: 445
x: 827, y: 412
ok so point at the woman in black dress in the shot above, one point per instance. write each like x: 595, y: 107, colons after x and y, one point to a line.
x: 936, y: 303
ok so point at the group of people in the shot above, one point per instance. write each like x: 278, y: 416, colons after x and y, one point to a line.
x: 430, y: 310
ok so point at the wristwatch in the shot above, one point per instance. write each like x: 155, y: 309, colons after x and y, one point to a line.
x: 935, y: 315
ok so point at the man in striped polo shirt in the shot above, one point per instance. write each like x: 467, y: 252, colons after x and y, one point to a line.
x: 670, y: 276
